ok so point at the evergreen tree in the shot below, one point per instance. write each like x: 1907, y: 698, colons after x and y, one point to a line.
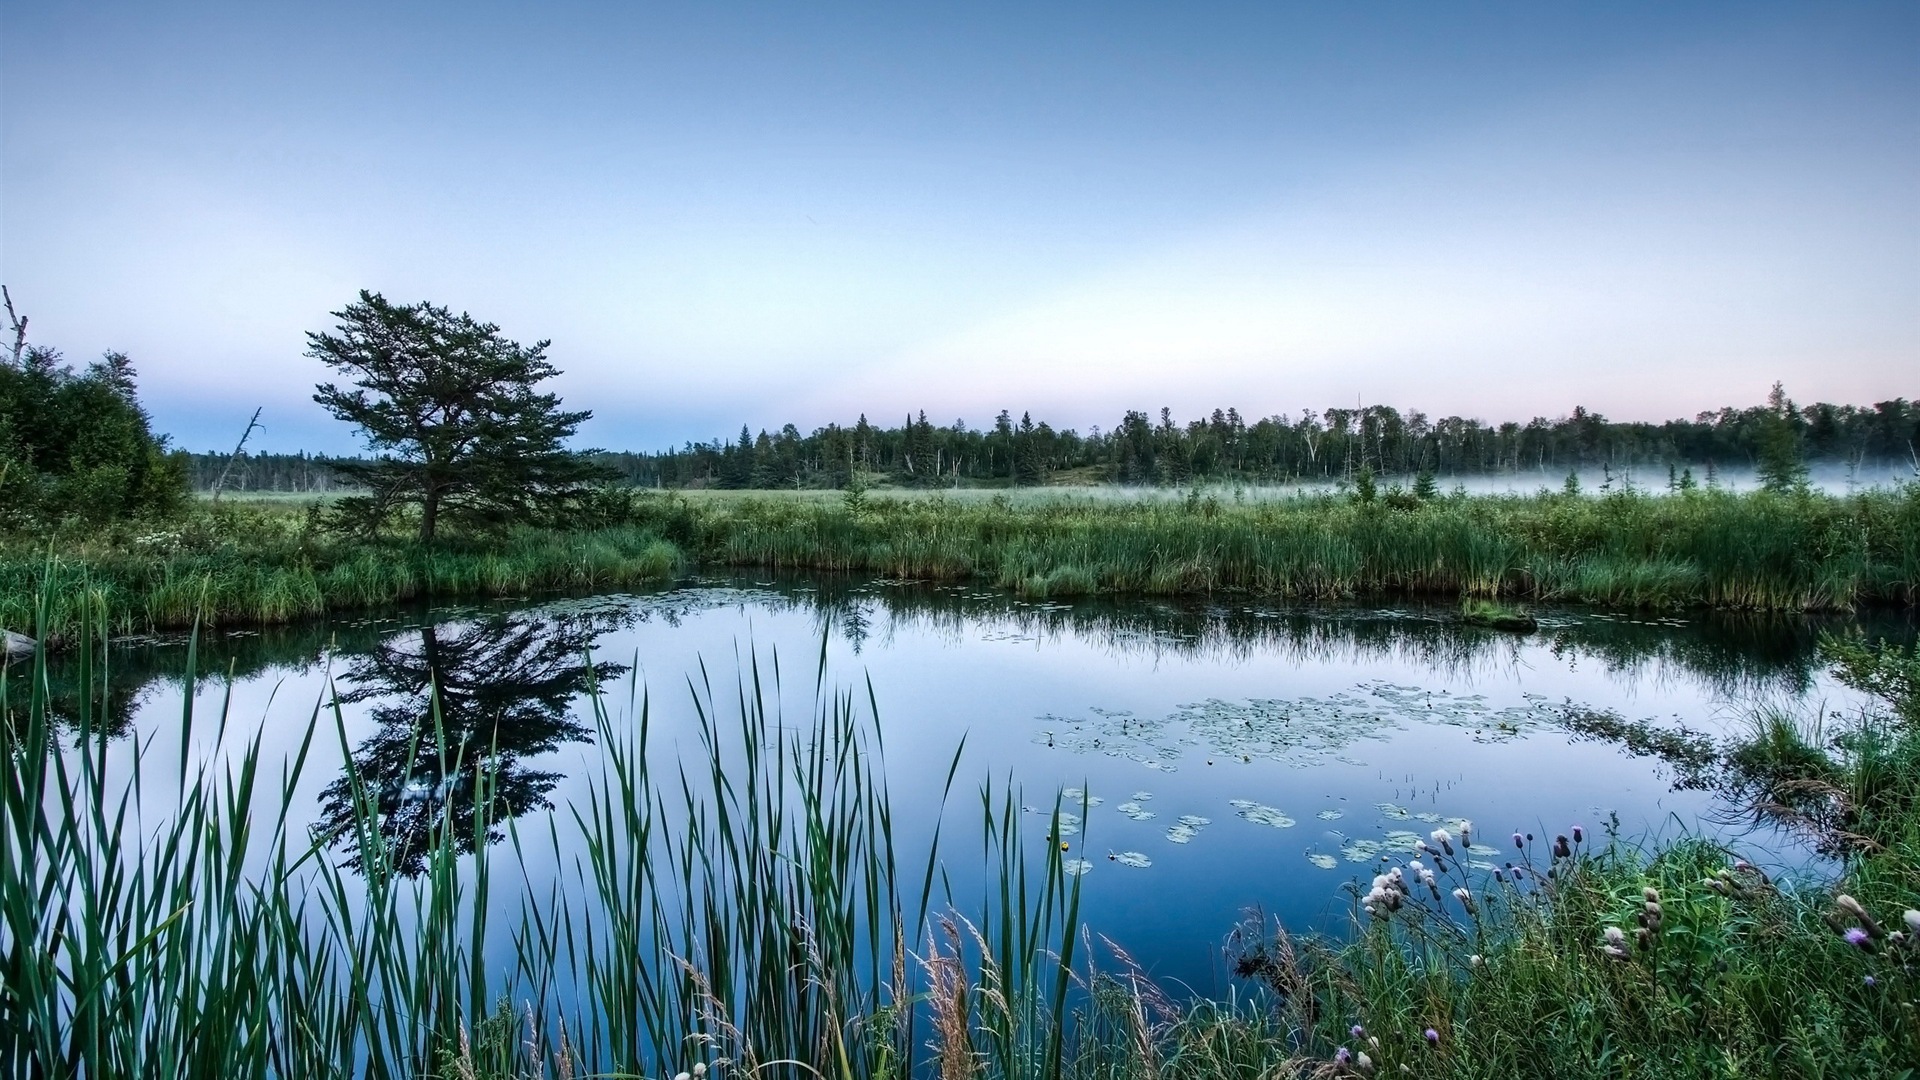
x: 450, y: 408
x: 1779, y: 466
x: 1424, y: 486
x: 1364, y: 489
x: 1028, y: 467
x: 79, y: 445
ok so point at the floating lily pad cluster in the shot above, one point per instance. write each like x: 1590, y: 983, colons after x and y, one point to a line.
x: 1187, y: 828
x: 1300, y: 732
x: 1260, y: 814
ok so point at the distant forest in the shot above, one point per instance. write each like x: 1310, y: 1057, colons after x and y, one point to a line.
x: 1224, y: 447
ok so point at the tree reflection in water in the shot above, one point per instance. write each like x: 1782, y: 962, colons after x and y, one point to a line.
x: 504, y: 687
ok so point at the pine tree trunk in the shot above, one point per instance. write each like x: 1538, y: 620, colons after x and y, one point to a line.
x: 429, y: 515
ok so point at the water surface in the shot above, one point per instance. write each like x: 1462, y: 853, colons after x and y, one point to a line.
x: 1216, y: 756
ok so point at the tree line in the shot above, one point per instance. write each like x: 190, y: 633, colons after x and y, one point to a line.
x: 1313, y: 446
x: 1333, y: 444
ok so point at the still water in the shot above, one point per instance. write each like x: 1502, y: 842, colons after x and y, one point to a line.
x: 1215, y: 757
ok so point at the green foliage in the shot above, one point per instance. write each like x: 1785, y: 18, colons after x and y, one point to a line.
x: 1780, y: 461
x: 1425, y: 487
x: 236, y: 563
x: 1883, y: 670
x: 78, y: 446
x: 1228, y: 448
x: 1497, y: 616
x: 1364, y: 489
x: 1631, y: 550
x: 450, y: 409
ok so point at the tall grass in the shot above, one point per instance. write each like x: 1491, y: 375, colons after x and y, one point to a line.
x: 254, y: 568
x: 1753, y: 551
x: 262, y: 565
x: 745, y: 905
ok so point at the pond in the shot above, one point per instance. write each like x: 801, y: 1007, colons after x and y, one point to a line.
x: 1211, y: 756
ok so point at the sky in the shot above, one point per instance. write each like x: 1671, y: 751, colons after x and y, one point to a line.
x: 763, y: 214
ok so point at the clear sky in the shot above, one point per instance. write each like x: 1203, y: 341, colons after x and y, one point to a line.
x: 765, y: 213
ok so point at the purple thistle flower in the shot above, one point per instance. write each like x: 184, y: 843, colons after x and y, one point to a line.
x: 1342, y: 1056
x: 1357, y: 1031
x: 1871, y: 981
x: 1433, y: 1038
x: 1578, y: 836
x: 1519, y: 841
x: 1859, y: 938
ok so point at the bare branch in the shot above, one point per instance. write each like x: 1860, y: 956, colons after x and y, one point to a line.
x: 235, y: 456
x: 17, y: 324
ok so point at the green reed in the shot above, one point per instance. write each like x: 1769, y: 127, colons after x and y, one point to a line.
x: 744, y: 903
x: 262, y: 576
x: 1717, y: 549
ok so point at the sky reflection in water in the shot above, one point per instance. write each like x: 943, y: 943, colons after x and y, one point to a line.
x: 1210, y: 757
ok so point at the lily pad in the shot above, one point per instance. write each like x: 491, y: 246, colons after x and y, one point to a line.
x: 1265, y: 815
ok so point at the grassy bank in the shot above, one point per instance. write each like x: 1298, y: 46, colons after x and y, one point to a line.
x: 266, y: 562
x: 759, y: 917
x: 263, y: 564
x: 1766, y: 552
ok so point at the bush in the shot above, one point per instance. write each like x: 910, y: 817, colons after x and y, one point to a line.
x: 77, y: 445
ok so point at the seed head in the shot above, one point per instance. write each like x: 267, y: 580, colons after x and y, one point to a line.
x: 1444, y: 839
x: 1616, y: 936
x: 1913, y: 920
x: 1650, y: 894
x: 1519, y: 841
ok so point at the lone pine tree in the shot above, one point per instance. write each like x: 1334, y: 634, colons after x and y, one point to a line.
x: 450, y: 409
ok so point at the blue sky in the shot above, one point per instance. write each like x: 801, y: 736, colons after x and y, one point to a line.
x: 773, y: 213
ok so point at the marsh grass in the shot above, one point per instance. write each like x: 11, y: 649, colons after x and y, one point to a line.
x: 253, y: 565
x: 1762, y: 552
x: 263, y: 563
